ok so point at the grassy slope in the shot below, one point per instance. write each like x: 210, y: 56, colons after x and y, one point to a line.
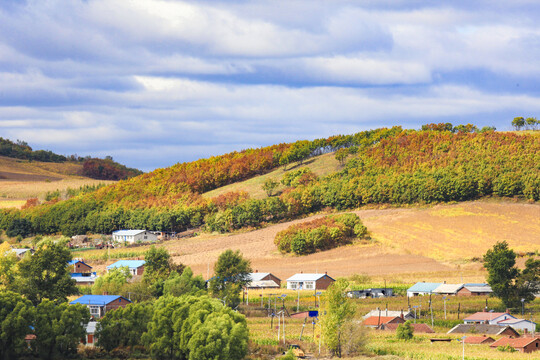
x: 321, y: 165
x: 34, y: 179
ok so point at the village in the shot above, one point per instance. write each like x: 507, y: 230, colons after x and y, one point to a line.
x: 295, y: 302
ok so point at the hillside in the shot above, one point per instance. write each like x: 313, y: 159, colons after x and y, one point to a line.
x: 383, y: 166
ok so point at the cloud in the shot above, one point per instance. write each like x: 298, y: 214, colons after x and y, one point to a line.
x: 156, y: 82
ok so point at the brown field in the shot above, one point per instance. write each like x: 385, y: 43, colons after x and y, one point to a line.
x: 22, y: 179
x: 409, y: 244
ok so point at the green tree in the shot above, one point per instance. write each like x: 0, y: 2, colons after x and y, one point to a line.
x: 19, y: 227
x: 269, y: 186
x: 157, y: 267
x: 8, y: 268
x: 186, y: 283
x: 532, y: 123
x: 113, y: 282
x: 45, y: 274
x: 509, y: 283
x: 231, y: 274
x: 338, y: 312
x: 341, y: 155
x: 518, y: 122
x: 16, y: 317
x: 195, y: 328
x: 124, y: 326
x: 405, y: 331
x: 59, y: 328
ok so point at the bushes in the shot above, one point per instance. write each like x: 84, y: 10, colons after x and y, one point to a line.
x: 320, y: 234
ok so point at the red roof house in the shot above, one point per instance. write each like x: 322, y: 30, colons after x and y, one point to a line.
x: 479, y: 340
x: 376, y: 321
x: 523, y: 344
x: 418, y: 328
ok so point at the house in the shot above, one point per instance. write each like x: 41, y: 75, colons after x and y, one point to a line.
x: 484, y: 329
x: 100, y: 304
x: 263, y: 280
x: 475, y: 290
x: 370, y: 293
x: 487, y: 317
x: 78, y: 266
x: 447, y: 289
x: 133, y: 236
x: 524, y: 344
x: 136, y: 267
x: 519, y: 324
x: 418, y: 328
x: 479, y: 340
x: 377, y: 321
x: 422, y: 288
x: 407, y: 315
x: 90, y: 333
x: 309, y: 282
x: 21, y: 252
x: 84, y: 278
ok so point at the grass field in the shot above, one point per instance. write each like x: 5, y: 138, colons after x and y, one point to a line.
x: 321, y: 165
x: 21, y: 180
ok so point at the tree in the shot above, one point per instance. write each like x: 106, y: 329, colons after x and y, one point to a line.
x: 269, y: 186
x: 157, y: 267
x: 405, y: 331
x: 19, y: 227
x: 518, y: 122
x: 113, y: 282
x: 59, y: 328
x: 195, y: 328
x: 338, y: 312
x: 124, y: 326
x: 231, y: 274
x: 341, y: 155
x: 8, y: 268
x: 16, y: 317
x: 45, y: 274
x: 532, y: 123
x: 509, y: 283
x: 186, y: 283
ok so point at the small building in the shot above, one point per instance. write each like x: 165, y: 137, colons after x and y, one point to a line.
x: 90, y: 333
x: 370, y: 293
x: 309, y: 282
x: 448, y: 289
x: 519, y: 324
x: 419, y: 328
x: 136, y: 267
x: 524, y: 344
x: 133, y: 236
x: 422, y: 288
x: 487, y: 317
x: 479, y: 340
x: 484, y: 329
x: 377, y: 321
x: 78, y: 266
x: 100, y: 304
x: 407, y: 315
x: 263, y: 281
x: 21, y: 252
x: 84, y: 278
x: 475, y: 290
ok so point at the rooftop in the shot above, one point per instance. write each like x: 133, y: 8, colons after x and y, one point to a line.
x: 487, y: 316
x: 423, y: 287
x: 257, y: 276
x: 478, y: 339
x: 132, y: 264
x: 96, y: 299
x: 448, y: 288
x: 128, y: 232
x: 307, y: 277
x: 375, y: 320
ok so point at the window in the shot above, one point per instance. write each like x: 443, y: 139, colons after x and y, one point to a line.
x: 94, y: 310
x: 309, y: 285
x: 292, y: 285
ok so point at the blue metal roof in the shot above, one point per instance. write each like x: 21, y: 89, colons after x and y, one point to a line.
x: 96, y: 299
x: 132, y: 264
x: 73, y: 262
x: 423, y: 287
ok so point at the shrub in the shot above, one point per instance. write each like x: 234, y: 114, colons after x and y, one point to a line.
x: 319, y: 234
x: 405, y: 331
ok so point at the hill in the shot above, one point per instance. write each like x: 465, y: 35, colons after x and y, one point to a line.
x: 383, y: 166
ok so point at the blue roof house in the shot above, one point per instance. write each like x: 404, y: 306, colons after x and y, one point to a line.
x: 422, y: 288
x: 100, y: 304
x: 136, y: 267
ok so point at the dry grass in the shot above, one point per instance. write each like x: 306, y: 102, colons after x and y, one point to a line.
x: 321, y: 165
x: 24, y: 179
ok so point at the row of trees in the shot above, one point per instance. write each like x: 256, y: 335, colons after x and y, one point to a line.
x: 530, y: 123
x: 320, y: 234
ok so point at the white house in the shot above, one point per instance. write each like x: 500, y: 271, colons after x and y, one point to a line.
x: 309, y: 282
x: 519, y: 324
x: 447, y: 289
x: 133, y: 236
x: 488, y: 317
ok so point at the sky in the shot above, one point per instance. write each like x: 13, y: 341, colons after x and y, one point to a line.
x: 154, y: 83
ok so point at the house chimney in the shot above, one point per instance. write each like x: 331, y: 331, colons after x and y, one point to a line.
x: 326, y: 273
x: 105, y: 293
x: 301, y: 272
x: 525, y: 331
x: 507, y: 311
x: 256, y: 270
